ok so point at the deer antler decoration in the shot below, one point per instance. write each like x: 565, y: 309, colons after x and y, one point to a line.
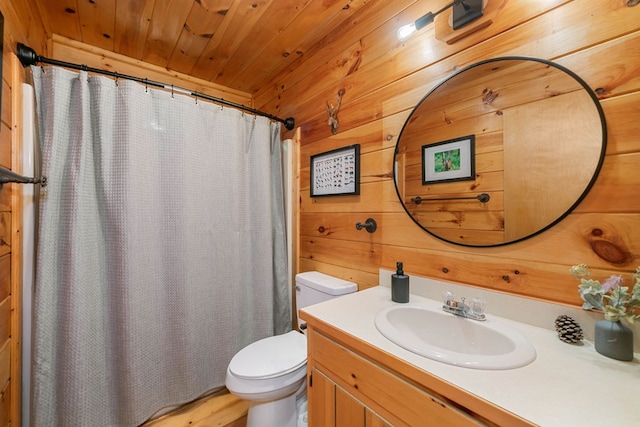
x: 332, y: 112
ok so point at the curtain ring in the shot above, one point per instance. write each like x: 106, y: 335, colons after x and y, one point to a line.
x: 196, y: 96
x: 146, y: 86
x: 171, y: 91
x: 116, y: 76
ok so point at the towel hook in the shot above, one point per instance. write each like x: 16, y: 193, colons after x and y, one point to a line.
x: 369, y: 225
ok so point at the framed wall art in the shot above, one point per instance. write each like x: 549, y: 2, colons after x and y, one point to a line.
x: 451, y: 160
x: 336, y: 172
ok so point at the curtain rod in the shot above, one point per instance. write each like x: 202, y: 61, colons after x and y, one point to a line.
x: 28, y: 57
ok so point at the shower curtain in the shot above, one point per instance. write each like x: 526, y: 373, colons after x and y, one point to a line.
x: 161, y: 248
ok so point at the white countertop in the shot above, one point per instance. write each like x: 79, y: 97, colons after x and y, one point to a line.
x: 567, y: 384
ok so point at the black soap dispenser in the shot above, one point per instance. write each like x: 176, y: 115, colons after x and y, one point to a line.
x: 399, y: 285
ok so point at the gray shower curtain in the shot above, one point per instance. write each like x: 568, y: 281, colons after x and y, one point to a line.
x: 161, y: 248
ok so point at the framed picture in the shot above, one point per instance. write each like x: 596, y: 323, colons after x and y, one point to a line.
x: 452, y: 160
x: 336, y: 172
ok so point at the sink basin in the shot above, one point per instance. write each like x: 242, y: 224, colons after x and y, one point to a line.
x: 454, y: 340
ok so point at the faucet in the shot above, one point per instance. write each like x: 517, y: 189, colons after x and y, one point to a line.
x: 474, y: 310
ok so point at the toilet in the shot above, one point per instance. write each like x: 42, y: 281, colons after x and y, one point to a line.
x: 271, y: 373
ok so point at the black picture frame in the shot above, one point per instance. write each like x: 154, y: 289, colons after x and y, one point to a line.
x: 450, y: 160
x: 336, y: 172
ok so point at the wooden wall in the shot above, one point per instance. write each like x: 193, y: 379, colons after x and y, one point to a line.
x: 383, y: 79
x: 22, y: 23
x: 76, y: 52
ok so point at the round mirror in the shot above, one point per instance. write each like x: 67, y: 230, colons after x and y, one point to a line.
x: 499, y: 151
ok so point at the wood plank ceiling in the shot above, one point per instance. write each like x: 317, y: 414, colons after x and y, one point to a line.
x: 241, y: 44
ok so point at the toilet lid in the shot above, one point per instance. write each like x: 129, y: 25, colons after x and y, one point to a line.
x: 271, y: 357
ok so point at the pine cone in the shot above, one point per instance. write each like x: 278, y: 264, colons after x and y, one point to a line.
x: 568, y: 329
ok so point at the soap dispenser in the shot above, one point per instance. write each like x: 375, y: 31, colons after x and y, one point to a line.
x: 399, y: 285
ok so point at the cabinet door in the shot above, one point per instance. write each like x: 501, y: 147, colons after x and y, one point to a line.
x: 322, y: 400
x: 332, y: 406
x: 349, y: 412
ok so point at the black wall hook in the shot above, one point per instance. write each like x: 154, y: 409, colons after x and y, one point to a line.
x: 369, y: 225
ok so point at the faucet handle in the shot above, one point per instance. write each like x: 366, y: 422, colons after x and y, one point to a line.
x: 448, y: 297
x: 477, y: 305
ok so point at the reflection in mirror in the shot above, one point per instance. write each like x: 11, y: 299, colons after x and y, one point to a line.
x: 539, y: 141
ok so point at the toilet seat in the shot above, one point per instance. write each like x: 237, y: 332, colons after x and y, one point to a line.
x: 266, y: 359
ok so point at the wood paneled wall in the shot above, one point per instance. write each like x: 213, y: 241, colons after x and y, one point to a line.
x: 383, y: 79
x: 21, y: 24
x: 68, y: 50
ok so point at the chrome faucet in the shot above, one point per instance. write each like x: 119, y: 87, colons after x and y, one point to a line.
x: 474, y: 310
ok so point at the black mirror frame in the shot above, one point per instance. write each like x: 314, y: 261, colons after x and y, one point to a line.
x: 596, y: 102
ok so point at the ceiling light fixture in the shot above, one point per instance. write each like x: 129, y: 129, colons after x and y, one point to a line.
x: 464, y: 11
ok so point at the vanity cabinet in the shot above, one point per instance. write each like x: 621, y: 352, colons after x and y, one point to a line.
x: 353, y: 368
x: 348, y: 389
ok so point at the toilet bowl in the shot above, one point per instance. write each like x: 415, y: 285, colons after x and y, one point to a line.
x: 271, y: 373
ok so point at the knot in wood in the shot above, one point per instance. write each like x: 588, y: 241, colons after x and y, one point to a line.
x: 610, y: 252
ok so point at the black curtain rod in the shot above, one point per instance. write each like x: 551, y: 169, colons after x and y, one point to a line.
x: 29, y: 57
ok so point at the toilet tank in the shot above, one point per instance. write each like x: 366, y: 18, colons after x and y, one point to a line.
x: 313, y: 287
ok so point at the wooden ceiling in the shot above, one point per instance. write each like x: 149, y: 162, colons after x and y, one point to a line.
x: 241, y: 44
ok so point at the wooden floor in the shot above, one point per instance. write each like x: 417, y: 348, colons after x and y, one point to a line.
x: 221, y: 409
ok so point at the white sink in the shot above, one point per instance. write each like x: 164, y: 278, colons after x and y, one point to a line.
x: 455, y: 340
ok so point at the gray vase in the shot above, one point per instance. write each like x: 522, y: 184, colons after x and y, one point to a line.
x: 613, y: 339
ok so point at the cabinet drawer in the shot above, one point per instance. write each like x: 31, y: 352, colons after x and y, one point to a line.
x: 395, y: 399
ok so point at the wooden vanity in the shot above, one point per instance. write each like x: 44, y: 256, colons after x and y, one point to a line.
x: 356, y: 377
x: 353, y: 384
